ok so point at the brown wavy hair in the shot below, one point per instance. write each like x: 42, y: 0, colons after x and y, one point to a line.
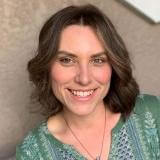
x: 123, y: 89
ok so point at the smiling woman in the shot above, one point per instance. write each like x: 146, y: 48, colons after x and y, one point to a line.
x: 80, y: 74
x: 83, y: 81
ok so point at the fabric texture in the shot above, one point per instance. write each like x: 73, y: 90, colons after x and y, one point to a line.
x: 138, y: 138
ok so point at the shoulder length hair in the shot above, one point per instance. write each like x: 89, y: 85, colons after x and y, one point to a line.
x: 123, y: 89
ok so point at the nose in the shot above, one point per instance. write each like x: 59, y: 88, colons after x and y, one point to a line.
x: 83, y: 75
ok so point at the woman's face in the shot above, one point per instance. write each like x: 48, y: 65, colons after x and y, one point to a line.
x: 80, y: 74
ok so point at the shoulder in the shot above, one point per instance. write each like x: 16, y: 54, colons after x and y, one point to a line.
x: 30, y: 148
x: 145, y: 102
x: 148, y: 107
x: 148, y: 98
x: 144, y: 122
x: 56, y: 125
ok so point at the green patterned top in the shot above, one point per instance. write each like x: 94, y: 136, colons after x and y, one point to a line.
x: 138, y: 138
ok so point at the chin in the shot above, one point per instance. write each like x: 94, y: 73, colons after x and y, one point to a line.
x: 81, y: 109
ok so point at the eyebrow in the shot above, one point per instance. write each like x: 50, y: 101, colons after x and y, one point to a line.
x: 103, y: 53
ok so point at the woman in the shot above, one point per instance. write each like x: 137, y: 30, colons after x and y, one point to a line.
x: 83, y: 79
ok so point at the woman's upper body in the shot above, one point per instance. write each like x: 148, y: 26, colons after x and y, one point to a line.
x: 138, y: 138
x: 83, y: 78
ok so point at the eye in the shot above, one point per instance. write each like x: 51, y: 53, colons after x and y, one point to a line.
x: 99, y: 61
x: 66, y: 61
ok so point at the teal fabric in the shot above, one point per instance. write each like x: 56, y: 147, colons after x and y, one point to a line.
x: 138, y: 138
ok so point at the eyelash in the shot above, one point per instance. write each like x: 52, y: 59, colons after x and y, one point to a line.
x: 100, y: 60
x: 66, y: 61
x: 69, y: 61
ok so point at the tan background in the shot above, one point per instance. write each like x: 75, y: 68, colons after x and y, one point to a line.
x: 20, y: 22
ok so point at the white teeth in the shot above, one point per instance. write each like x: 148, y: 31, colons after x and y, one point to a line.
x: 81, y: 93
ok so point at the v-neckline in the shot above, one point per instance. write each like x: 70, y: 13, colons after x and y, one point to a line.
x: 71, y: 148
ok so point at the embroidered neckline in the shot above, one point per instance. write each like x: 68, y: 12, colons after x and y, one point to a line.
x: 61, y: 145
x: 71, y: 148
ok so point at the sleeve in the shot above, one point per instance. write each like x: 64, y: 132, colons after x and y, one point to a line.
x: 28, y: 150
x: 153, y: 105
x: 152, y: 124
x: 158, y: 112
x: 23, y: 154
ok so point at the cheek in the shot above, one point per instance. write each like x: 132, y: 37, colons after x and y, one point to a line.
x: 59, y: 75
x: 103, y: 75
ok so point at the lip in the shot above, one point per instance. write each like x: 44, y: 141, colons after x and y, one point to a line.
x: 86, y: 98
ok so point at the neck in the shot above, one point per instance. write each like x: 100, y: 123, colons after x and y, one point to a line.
x: 89, y: 121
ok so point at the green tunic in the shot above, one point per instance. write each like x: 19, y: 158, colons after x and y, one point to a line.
x: 138, y: 138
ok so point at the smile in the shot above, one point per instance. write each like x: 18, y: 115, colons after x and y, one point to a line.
x: 82, y: 93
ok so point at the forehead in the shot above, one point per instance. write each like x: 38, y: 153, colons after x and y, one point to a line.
x: 80, y: 39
